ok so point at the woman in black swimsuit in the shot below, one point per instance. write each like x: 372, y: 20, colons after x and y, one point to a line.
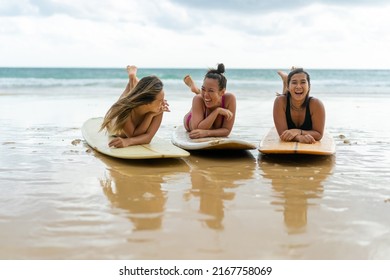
x: 297, y: 116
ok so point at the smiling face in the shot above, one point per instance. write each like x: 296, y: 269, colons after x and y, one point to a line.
x: 299, y: 86
x: 211, y: 93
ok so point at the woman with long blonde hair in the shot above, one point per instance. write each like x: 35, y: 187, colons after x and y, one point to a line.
x: 135, y: 118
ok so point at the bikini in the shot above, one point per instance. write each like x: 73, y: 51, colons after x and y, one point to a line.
x: 205, y: 113
x: 307, y: 124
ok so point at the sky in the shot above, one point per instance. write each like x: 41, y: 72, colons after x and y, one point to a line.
x: 324, y: 34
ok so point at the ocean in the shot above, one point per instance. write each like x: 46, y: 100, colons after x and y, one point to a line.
x: 263, y: 80
x: 60, y: 200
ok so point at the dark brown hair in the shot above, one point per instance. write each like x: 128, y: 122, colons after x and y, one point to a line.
x: 289, y: 77
x: 217, y: 74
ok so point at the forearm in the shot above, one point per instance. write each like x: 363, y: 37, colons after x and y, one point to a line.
x: 314, y: 133
x: 298, y: 135
x: 139, y: 139
x: 219, y: 132
x: 144, y: 125
x: 208, y: 122
x: 144, y: 132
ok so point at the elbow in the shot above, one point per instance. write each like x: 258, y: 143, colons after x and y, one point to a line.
x: 318, y: 136
x: 147, y: 140
x: 226, y: 133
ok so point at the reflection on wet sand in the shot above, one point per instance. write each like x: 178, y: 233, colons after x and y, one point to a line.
x: 212, y: 177
x: 296, y: 180
x: 135, y: 186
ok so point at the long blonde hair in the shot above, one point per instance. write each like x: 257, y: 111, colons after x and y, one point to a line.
x: 143, y: 93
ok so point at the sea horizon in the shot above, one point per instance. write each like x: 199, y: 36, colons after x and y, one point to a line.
x: 14, y: 80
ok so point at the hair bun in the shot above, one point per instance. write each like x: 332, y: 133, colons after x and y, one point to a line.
x: 221, y: 68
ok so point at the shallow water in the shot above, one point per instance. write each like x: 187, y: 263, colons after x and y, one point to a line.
x: 61, y: 200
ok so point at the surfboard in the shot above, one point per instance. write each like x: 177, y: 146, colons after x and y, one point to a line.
x: 271, y: 144
x: 180, y: 138
x: 157, y: 148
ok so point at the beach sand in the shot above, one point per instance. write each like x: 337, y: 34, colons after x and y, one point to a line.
x: 62, y: 200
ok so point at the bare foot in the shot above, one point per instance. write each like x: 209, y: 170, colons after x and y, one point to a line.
x: 283, y: 75
x: 190, y: 83
x: 132, y: 72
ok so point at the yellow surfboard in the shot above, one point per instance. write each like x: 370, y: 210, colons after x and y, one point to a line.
x: 181, y: 139
x: 271, y: 144
x: 158, y: 148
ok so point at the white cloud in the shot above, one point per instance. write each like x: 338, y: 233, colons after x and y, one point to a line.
x: 162, y: 33
x: 266, y: 6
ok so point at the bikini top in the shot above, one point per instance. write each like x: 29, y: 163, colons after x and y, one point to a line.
x: 307, y: 124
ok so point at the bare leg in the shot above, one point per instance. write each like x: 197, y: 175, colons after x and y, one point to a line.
x: 133, y: 80
x: 283, y: 75
x: 191, y: 84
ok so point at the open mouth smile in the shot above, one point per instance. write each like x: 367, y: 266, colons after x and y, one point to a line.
x: 207, y: 101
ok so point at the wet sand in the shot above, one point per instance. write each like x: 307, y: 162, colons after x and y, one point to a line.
x: 62, y: 200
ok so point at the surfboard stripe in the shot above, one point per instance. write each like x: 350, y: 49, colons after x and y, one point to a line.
x: 296, y: 147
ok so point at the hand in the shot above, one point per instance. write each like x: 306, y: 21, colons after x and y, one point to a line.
x: 226, y: 113
x: 290, y: 134
x: 165, y: 106
x: 118, y: 142
x: 307, y: 138
x: 198, y: 133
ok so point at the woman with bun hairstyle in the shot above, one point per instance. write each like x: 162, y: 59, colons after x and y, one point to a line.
x: 213, y: 109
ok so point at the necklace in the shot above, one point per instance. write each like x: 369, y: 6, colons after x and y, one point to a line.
x: 298, y: 109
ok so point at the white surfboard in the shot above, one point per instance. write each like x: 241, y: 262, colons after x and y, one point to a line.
x: 180, y: 138
x: 158, y: 148
x: 271, y: 144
